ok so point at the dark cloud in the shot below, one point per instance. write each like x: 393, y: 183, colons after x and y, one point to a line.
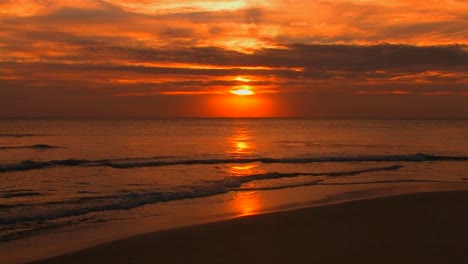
x: 177, y: 32
x: 299, y: 61
x: 378, y: 69
x: 447, y: 28
x: 312, y: 57
x: 240, y: 16
x: 253, y: 15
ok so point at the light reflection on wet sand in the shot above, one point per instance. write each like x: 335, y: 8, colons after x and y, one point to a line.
x: 247, y: 203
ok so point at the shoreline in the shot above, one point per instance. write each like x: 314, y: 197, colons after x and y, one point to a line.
x: 429, y: 227
x: 64, y: 241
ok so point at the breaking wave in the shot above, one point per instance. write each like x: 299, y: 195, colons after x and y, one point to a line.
x: 22, y: 212
x: 37, y: 146
x: 170, y: 161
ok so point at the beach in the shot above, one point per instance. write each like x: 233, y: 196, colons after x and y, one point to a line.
x: 233, y: 131
x: 143, y: 191
x: 411, y: 228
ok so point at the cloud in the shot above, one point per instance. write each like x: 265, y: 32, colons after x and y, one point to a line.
x: 356, y: 48
x: 299, y: 67
x: 253, y: 15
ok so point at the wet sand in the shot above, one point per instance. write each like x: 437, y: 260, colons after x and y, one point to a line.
x: 414, y: 228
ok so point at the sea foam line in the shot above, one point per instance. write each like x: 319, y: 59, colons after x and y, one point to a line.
x: 320, y: 182
x: 158, y: 161
x: 12, y: 214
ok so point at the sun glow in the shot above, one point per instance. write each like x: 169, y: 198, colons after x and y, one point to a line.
x: 241, y: 106
x: 168, y: 7
x: 242, y: 79
x: 244, y: 90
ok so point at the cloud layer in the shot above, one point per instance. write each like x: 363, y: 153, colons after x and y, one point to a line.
x: 141, y: 58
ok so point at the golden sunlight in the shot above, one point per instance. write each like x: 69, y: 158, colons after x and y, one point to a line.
x: 168, y: 7
x: 242, y: 79
x: 243, y: 90
x: 242, y: 147
x: 247, y: 203
x: 240, y: 142
x: 241, y: 106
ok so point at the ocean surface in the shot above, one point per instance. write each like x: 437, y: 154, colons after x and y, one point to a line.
x: 72, y: 174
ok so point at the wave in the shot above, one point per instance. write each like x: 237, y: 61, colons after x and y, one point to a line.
x: 276, y: 175
x: 14, y: 194
x: 38, y: 212
x: 128, y: 163
x: 37, y: 146
x: 320, y: 182
x: 19, y: 135
x: 20, y: 230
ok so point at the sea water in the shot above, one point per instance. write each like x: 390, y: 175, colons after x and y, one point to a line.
x: 79, y: 174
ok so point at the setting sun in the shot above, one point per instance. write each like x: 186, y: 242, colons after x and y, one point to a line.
x: 242, y: 91
x: 173, y: 113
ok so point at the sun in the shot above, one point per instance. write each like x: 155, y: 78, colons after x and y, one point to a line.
x: 244, y: 90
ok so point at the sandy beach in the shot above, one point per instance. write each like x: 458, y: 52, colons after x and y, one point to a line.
x: 414, y: 228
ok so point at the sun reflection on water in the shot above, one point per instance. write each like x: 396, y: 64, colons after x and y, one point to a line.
x: 247, y: 203
x: 243, y: 170
x: 241, y: 145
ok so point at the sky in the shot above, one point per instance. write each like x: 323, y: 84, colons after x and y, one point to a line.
x: 169, y: 58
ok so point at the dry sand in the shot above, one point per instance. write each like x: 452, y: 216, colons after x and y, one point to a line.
x: 415, y: 228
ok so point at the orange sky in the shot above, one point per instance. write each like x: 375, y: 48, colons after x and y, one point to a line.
x: 142, y: 58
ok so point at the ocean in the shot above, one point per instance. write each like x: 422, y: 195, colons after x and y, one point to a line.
x: 101, y: 179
